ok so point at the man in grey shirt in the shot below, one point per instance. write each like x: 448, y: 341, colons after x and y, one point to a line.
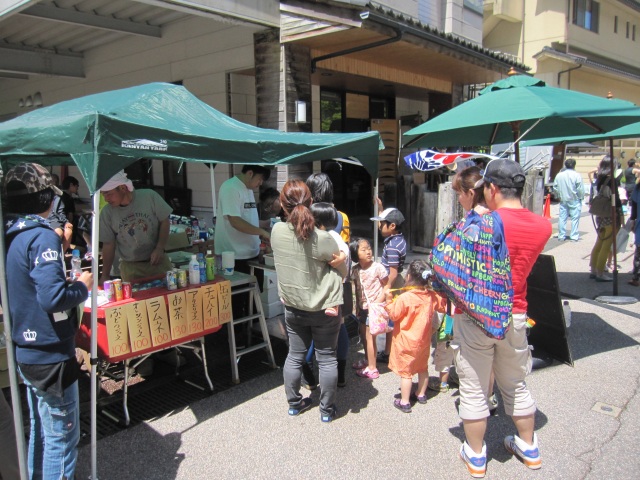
x: 569, y: 187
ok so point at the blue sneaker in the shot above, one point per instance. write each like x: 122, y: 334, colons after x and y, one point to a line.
x: 477, y: 466
x: 305, y: 404
x: 328, y: 418
x: 527, y: 454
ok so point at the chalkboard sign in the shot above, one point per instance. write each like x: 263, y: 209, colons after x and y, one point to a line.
x: 545, y: 307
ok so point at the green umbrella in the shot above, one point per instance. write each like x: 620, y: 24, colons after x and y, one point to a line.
x: 517, y: 104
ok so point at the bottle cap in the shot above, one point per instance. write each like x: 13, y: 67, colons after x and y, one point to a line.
x: 76, y: 252
x: 193, y: 257
x: 208, y: 252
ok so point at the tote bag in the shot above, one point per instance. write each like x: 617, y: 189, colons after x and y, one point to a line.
x: 471, y: 263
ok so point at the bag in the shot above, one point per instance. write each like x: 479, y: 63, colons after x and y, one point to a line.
x: 622, y: 240
x: 471, y: 264
x: 445, y: 329
x: 378, y: 315
x: 600, y: 206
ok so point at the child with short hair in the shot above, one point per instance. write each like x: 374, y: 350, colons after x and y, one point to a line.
x: 370, y: 278
x: 411, y: 313
x: 393, y: 257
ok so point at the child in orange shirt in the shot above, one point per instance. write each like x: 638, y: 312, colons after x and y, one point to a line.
x: 411, y: 313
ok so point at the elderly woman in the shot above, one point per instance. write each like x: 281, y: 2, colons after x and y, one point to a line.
x: 308, y: 285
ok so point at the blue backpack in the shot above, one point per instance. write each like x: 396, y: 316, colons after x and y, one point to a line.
x: 470, y: 261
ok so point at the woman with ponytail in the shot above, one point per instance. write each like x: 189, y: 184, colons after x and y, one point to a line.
x: 309, y: 282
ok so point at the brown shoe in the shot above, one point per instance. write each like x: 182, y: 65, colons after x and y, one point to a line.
x: 635, y: 283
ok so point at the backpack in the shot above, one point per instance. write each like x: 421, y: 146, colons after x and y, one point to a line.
x: 470, y: 261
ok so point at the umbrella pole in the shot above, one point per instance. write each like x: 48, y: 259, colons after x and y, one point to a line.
x: 95, y: 239
x: 515, y: 128
x: 614, y: 216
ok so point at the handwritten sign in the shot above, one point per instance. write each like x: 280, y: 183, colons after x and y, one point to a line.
x: 194, y: 310
x: 139, y: 332
x: 117, y: 331
x: 210, y: 306
x: 224, y: 301
x: 158, y: 321
x: 178, y: 319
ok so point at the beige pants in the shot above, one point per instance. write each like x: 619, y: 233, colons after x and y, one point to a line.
x: 130, y: 271
x: 475, y: 354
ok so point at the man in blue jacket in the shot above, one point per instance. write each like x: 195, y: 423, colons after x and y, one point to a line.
x: 43, y: 305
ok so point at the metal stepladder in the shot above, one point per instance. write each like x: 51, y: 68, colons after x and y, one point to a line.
x: 250, y: 286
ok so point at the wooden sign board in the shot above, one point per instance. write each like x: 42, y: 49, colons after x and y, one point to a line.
x: 139, y: 332
x: 224, y: 301
x: 210, y: 306
x: 178, y: 311
x: 158, y: 321
x: 194, y: 310
x: 117, y: 331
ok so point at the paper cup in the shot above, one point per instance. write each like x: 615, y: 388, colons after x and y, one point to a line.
x: 228, y: 262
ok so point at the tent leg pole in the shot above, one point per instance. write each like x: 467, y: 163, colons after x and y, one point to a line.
x: 375, y: 223
x: 614, y: 215
x: 11, y: 362
x: 212, y: 174
x: 95, y: 238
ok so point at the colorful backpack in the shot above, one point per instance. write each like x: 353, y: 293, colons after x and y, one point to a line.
x: 470, y: 261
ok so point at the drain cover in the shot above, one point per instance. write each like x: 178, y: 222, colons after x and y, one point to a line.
x: 607, y: 409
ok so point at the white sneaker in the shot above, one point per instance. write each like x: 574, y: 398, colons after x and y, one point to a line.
x: 476, y: 464
x: 528, y: 454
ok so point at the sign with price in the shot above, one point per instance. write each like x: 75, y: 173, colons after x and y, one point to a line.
x: 158, y: 321
x: 178, y: 315
x: 224, y: 301
x: 210, y: 306
x: 194, y: 310
x: 117, y: 331
x: 139, y: 332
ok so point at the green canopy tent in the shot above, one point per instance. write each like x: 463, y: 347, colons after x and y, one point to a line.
x: 521, y: 104
x: 104, y: 133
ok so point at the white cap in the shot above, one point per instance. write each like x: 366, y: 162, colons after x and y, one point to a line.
x: 118, y: 179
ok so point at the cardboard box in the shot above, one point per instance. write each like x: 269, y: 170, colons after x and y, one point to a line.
x: 273, y: 309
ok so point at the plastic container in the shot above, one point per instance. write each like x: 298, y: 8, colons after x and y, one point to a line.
x: 194, y: 271
x: 210, y: 262
x: 566, y: 310
x: 203, y: 268
x: 76, y: 265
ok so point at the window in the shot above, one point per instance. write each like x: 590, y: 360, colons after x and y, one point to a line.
x: 586, y: 14
x: 615, y: 24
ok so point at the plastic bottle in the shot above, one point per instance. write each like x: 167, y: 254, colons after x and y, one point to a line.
x: 263, y: 248
x: 203, y: 268
x: 210, y: 262
x: 194, y: 271
x: 76, y: 265
x: 566, y: 310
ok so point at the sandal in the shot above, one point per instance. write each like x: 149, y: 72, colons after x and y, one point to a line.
x: 360, y: 364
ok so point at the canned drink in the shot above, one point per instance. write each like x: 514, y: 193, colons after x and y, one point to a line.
x: 109, y: 291
x: 117, y: 287
x: 126, y: 290
x: 172, y: 283
x: 182, y: 278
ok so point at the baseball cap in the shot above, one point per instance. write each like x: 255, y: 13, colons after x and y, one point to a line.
x: 391, y: 215
x: 503, y: 173
x: 33, y: 176
x: 118, y: 179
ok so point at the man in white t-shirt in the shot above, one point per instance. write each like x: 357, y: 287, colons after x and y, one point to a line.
x: 237, y: 224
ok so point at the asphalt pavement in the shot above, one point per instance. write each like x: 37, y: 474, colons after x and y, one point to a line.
x: 588, y: 417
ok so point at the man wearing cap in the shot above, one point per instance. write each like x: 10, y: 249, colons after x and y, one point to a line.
x: 135, y: 224
x: 44, y: 321
x: 475, y: 353
x: 394, y: 254
x: 569, y: 188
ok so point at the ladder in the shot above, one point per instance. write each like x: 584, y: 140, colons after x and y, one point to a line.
x: 254, y: 301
